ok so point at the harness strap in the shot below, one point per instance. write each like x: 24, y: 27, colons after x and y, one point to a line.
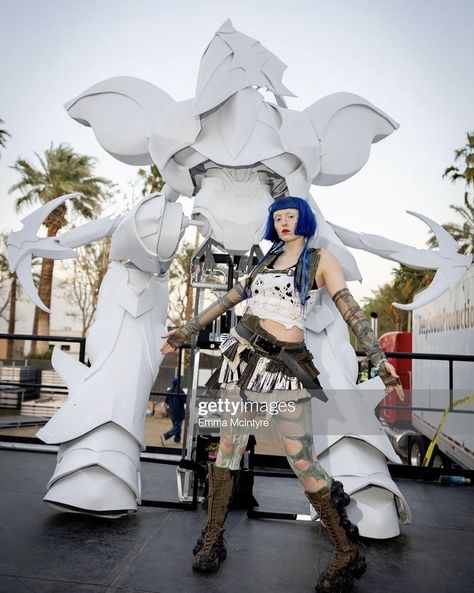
x: 314, y: 256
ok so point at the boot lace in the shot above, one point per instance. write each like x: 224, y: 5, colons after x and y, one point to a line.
x: 344, y: 552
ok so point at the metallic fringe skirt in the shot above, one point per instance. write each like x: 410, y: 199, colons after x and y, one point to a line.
x: 250, y: 371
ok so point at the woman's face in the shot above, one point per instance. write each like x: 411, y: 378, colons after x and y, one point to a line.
x: 285, y: 223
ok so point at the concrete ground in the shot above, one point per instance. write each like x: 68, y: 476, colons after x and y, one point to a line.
x: 150, y: 551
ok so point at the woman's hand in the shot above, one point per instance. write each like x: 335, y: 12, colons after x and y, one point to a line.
x: 167, y: 347
x: 398, y: 388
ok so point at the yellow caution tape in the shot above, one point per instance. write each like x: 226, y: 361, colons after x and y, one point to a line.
x: 429, y: 452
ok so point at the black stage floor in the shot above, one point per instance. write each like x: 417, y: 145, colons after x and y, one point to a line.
x: 43, y: 551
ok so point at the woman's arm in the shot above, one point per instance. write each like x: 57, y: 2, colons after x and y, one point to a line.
x: 178, y: 336
x: 329, y: 274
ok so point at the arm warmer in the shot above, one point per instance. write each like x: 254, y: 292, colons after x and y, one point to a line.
x: 360, y: 325
x: 229, y: 300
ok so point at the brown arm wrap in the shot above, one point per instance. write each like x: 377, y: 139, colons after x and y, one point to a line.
x: 360, y: 325
x: 226, y: 302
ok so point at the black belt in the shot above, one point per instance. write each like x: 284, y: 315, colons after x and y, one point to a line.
x: 279, y: 352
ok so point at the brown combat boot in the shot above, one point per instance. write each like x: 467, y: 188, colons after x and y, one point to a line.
x: 210, y: 549
x: 347, y: 562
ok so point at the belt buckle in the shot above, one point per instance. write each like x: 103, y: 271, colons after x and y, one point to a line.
x: 256, y: 339
x: 261, y: 343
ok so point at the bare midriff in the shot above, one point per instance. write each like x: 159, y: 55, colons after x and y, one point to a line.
x: 294, y: 334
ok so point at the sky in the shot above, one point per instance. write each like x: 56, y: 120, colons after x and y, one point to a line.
x: 411, y: 58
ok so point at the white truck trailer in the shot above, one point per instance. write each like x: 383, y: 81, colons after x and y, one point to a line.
x: 445, y: 326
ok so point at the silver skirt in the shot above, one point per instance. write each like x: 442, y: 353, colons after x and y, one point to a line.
x: 250, y: 373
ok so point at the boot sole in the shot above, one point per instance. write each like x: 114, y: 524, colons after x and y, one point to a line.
x: 360, y: 568
x: 211, y: 566
x: 355, y: 569
x: 214, y: 567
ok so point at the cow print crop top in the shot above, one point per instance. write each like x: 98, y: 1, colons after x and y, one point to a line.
x: 273, y: 296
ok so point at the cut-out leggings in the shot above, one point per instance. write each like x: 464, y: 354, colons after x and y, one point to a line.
x: 294, y: 426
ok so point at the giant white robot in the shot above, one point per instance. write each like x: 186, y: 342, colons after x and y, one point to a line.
x: 232, y: 152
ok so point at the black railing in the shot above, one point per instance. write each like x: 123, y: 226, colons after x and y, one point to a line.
x: 450, y: 358
x: 67, y: 339
x: 82, y: 358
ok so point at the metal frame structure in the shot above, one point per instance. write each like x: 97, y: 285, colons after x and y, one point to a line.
x: 204, y: 263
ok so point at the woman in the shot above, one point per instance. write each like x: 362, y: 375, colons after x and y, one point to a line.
x: 265, y: 359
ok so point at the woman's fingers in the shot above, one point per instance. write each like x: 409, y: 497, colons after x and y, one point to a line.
x: 400, y: 393
x: 391, y: 369
x: 398, y: 388
x: 167, y: 348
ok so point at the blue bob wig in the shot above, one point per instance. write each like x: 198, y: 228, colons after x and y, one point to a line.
x: 306, y: 225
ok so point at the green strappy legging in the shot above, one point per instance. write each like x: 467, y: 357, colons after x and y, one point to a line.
x: 295, y: 430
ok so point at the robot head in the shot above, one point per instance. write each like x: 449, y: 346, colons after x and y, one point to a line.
x: 234, y: 61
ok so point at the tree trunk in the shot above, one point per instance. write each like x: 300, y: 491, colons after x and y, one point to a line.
x: 44, y: 291
x: 12, y: 315
x: 189, y: 302
x: 34, y: 331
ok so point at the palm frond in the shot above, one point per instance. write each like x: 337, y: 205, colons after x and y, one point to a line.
x: 3, y: 135
x: 61, y: 171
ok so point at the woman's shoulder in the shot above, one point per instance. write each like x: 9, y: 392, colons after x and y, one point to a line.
x: 326, y: 255
x: 328, y: 264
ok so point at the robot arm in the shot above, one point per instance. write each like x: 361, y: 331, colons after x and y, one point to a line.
x: 100, y: 428
x: 450, y: 265
x: 25, y: 244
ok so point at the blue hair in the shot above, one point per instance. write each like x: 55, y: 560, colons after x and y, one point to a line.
x: 306, y: 227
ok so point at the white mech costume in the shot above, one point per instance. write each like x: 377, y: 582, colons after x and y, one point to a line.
x: 233, y: 152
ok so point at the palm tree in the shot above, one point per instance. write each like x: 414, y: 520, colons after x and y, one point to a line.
x: 463, y: 232
x: 152, y: 180
x: 61, y: 171
x: 3, y: 135
x: 465, y: 154
x: 380, y: 302
x: 407, y: 282
x: 402, y: 289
